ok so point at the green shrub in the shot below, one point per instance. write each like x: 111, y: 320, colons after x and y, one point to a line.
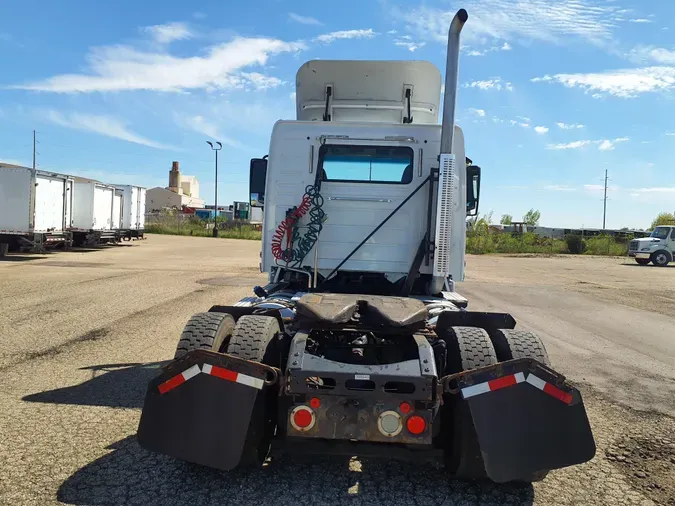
x: 575, y: 244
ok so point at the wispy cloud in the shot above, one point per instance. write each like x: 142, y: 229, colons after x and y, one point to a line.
x: 541, y: 129
x: 537, y: 20
x: 640, y: 20
x: 103, y: 125
x: 627, y: 83
x: 410, y: 46
x: 661, y: 189
x: 569, y: 126
x: 490, y: 84
x: 205, y: 126
x: 482, y: 52
x: 653, y: 54
x: 165, y: 34
x: 603, y: 144
x: 305, y: 20
x: 346, y: 34
x: 124, y: 68
x: 478, y: 112
x: 559, y: 188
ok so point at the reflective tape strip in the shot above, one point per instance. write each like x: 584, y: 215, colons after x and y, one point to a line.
x: 179, y: 379
x: 226, y: 374
x: 514, y: 379
x: 549, y: 389
x: 211, y: 370
x: 491, y: 386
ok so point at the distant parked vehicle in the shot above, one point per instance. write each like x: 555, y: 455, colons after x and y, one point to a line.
x: 35, y: 209
x: 658, y: 248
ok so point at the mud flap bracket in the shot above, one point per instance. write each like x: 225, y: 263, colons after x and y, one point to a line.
x: 199, y: 408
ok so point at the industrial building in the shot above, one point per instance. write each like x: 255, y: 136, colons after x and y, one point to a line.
x: 183, y: 191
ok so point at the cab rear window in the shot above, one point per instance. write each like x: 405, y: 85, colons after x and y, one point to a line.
x: 365, y: 164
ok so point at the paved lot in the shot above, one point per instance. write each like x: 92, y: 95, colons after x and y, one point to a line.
x: 82, y: 333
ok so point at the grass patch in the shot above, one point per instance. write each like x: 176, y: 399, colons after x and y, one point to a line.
x: 196, y: 228
x: 478, y: 243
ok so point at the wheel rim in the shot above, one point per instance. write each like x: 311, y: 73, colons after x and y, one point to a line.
x: 660, y: 258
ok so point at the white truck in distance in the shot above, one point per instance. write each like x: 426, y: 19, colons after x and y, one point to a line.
x: 658, y: 248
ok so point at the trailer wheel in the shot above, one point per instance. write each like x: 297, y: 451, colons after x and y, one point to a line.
x: 468, y: 348
x: 254, y: 339
x: 205, y: 331
x: 510, y: 344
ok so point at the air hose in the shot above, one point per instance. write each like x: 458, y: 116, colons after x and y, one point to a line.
x: 288, y: 232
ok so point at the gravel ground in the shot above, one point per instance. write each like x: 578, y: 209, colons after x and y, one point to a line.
x: 85, y: 332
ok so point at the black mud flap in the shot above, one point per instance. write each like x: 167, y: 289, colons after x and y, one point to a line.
x: 199, y: 408
x: 527, y: 419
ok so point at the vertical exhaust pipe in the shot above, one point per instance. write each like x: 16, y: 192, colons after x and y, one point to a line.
x: 451, y: 74
x: 447, y: 163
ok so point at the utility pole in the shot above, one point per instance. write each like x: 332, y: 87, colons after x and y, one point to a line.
x: 604, y: 210
x: 34, y: 143
x: 215, y: 213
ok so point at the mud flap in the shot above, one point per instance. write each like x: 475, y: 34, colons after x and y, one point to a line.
x: 527, y: 419
x: 199, y: 408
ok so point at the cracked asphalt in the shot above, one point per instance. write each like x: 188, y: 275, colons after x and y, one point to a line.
x: 82, y: 333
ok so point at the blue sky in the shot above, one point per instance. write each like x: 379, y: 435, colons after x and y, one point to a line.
x: 552, y: 92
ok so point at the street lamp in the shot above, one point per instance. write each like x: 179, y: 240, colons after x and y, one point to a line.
x: 215, y: 213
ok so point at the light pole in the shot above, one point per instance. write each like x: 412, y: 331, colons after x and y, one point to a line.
x: 215, y: 213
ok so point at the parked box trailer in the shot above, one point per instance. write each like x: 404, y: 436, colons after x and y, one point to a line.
x: 35, y: 208
x: 118, y: 203
x: 133, y: 210
x: 93, y: 203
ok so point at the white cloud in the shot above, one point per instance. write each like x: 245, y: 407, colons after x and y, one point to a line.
x: 541, y: 129
x: 607, y: 145
x: 305, y: 20
x: 640, y: 20
x: 292, y: 96
x: 670, y: 134
x: 346, y: 34
x: 490, y: 84
x: 392, y: 32
x: 410, y: 46
x: 103, y: 125
x: 594, y: 187
x: 627, y: 83
x: 654, y: 54
x: 478, y: 112
x: 663, y: 189
x: 204, y: 126
x: 537, y: 20
x: 475, y: 52
x: 123, y: 68
x: 164, y: 34
x: 603, y: 144
x: 559, y: 188
x: 569, y: 126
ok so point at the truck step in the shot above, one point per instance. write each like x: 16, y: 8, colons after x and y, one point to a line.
x: 457, y: 299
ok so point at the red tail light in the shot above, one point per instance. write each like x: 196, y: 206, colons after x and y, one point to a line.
x: 302, y: 418
x: 416, y: 424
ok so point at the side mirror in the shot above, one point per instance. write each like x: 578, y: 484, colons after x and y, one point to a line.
x: 472, y: 189
x: 256, y: 184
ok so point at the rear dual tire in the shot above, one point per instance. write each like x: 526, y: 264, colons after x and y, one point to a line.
x: 469, y: 348
x: 253, y: 338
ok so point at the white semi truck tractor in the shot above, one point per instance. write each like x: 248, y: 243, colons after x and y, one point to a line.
x: 359, y: 343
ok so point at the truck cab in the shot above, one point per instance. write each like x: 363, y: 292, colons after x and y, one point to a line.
x: 658, y: 248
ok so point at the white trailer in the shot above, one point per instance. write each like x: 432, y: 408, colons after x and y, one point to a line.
x: 35, y: 209
x: 93, y: 204
x: 118, y: 203
x: 133, y: 211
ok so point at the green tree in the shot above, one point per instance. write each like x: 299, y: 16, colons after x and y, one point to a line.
x: 532, y: 217
x: 507, y: 219
x: 663, y: 219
